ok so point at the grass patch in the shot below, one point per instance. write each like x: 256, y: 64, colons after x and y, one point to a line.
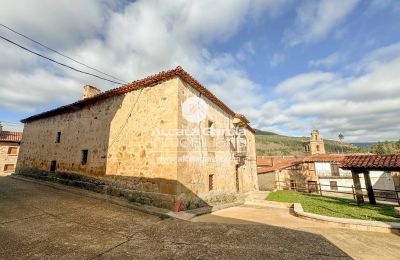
x: 336, y: 207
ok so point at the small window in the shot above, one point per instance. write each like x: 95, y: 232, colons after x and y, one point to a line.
x: 8, y: 167
x: 58, y: 139
x: 210, y: 126
x: 12, y: 150
x: 85, y: 156
x: 317, y: 148
x: 293, y: 185
x: 333, y: 185
x: 335, y: 169
x: 210, y: 182
x: 53, y: 166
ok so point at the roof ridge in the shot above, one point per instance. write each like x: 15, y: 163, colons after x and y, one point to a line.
x: 135, y: 85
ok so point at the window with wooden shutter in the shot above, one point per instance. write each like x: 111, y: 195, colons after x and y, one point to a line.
x: 335, y: 169
x: 12, y: 150
x: 333, y: 185
x: 8, y: 167
x: 210, y: 182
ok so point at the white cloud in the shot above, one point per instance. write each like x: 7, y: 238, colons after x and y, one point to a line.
x: 130, y: 42
x: 329, y: 61
x: 316, y: 19
x: 363, y: 107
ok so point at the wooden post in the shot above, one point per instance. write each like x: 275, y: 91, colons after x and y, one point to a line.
x: 357, y: 186
x: 320, y: 190
x: 370, y: 190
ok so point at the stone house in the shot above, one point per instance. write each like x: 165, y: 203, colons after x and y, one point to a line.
x: 164, y: 140
x: 9, y: 149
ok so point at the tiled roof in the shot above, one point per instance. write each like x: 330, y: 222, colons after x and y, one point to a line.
x: 6, y: 136
x: 324, y: 158
x: 273, y: 163
x: 135, y: 85
x: 372, y: 162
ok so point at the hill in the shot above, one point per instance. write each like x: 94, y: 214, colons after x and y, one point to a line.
x: 268, y: 143
x: 387, y: 147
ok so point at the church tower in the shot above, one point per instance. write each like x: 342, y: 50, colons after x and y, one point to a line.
x: 315, y: 145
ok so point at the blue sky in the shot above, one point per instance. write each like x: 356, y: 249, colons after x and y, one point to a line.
x: 289, y: 66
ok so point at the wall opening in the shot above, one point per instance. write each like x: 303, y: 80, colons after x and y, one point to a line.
x: 335, y: 169
x: 8, y: 167
x: 53, y: 166
x: 85, y: 156
x: 12, y: 150
x: 333, y: 185
x: 58, y: 138
x: 210, y: 182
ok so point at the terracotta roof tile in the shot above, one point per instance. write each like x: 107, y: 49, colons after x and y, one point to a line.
x: 371, y: 162
x: 6, y: 136
x: 135, y: 85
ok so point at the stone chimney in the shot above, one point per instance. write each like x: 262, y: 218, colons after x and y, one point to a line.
x: 90, y: 91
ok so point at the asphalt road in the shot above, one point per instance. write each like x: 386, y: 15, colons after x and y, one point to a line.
x: 38, y: 221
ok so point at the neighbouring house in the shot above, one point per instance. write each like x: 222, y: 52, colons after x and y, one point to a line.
x: 9, y: 148
x: 316, y: 172
x: 164, y: 140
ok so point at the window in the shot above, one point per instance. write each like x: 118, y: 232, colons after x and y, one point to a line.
x: 335, y: 169
x: 12, y: 150
x: 293, y: 185
x: 210, y: 126
x: 84, y: 156
x: 317, y: 148
x: 53, y: 166
x: 312, y: 186
x: 333, y: 185
x: 58, y: 139
x: 210, y: 182
x: 8, y: 167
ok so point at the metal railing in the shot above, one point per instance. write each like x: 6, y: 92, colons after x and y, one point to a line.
x: 316, y: 187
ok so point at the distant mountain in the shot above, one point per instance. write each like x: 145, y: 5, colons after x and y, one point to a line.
x: 269, y: 143
x: 361, y: 145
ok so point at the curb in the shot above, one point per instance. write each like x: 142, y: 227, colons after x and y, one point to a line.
x: 357, y: 224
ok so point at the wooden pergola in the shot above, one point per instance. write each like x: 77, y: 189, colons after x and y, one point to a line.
x: 363, y: 164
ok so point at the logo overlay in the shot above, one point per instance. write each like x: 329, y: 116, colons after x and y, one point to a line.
x: 194, y: 109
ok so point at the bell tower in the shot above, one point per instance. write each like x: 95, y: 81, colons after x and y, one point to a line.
x: 315, y: 145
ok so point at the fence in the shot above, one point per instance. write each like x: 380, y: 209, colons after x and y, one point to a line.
x: 316, y: 187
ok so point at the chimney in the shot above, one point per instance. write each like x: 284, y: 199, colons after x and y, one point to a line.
x: 90, y: 91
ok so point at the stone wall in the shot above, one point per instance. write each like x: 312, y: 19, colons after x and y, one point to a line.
x: 132, y: 144
x: 202, y: 156
x: 266, y: 181
x: 7, y: 159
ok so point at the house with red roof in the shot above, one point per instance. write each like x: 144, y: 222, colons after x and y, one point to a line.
x: 164, y: 140
x: 9, y: 149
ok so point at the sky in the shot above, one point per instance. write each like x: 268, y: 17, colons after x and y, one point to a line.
x: 288, y: 66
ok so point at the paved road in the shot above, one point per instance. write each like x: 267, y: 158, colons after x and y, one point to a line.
x: 38, y: 221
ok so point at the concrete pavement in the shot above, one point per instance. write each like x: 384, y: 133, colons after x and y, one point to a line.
x: 38, y: 221
x: 357, y: 244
